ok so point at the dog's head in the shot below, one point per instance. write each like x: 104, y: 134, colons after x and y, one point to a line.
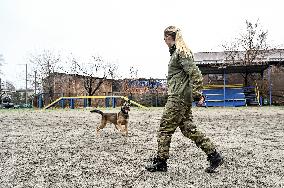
x: 126, y: 107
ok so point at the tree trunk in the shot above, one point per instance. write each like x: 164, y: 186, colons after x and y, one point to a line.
x: 89, y: 102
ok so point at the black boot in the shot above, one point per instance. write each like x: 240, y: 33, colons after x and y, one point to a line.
x: 158, y: 164
x: 215, y: 160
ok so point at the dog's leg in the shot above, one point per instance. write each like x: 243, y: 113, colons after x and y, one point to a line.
x: 98, y: 130
x: 103, y: 124
x: 120, y: 128
x: 126, y: 129
x: 116, y: 126
x: 123, y: 129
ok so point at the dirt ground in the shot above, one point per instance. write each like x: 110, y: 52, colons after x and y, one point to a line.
x: 59, y: 148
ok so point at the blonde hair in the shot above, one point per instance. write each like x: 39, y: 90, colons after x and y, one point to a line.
x: 181, y: 47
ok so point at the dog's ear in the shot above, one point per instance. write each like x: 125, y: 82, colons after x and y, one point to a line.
x: 125, y: 104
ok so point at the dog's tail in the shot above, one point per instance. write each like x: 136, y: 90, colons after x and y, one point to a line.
x: 97, y: 111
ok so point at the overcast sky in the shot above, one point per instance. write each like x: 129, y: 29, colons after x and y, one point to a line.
x: 126, y: 32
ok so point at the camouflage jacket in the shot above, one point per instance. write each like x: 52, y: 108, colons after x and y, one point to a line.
x: 184, y: 78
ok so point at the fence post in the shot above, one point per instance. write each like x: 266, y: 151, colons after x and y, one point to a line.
x: 72, y: 103
x: 224, y: 87
x: 107, y: 102
x: 113, y: 102
x: 85, y: 103
x: 40, y: 101
x: 62, y: 103
x: 269, y: 80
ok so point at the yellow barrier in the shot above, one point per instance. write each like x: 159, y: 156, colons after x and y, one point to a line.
x: 221, y: 86
x: 57, y: 100
x: 133, y: 102
x: 94, y: 97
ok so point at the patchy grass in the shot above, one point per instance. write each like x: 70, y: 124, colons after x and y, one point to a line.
x: 59, y: 148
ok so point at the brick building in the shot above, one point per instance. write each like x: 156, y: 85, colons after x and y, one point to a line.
x: 70, y: 85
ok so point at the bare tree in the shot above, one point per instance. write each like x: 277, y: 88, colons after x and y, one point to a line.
x: 9, y: 86
x: 133, y: 72
x: 249, y: 48
x: 1, y: 62
x: 45, y: 64
x: 94, y: 72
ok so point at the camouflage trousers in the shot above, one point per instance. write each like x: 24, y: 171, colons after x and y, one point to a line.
x: 179, y: 114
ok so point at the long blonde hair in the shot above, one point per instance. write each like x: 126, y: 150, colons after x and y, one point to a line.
x: 181, y: 47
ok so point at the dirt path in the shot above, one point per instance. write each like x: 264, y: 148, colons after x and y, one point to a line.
x: 59, y: 148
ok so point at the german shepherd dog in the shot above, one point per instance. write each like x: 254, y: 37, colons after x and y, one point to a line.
x: 120, y: 119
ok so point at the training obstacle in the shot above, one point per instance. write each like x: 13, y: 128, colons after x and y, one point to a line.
x: 107, y: 99
x: 218, y: 95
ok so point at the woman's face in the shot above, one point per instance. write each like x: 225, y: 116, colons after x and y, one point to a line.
x: 169, y: 40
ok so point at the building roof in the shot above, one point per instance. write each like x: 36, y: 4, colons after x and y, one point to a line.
x: 218, y: 62
x: 75, y: 75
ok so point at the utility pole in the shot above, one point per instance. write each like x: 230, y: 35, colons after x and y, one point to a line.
x: 26, y: 84
x: 35, y: 83
x: 34, y: 101
x: 26, y: 93
x: 0, y: 91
